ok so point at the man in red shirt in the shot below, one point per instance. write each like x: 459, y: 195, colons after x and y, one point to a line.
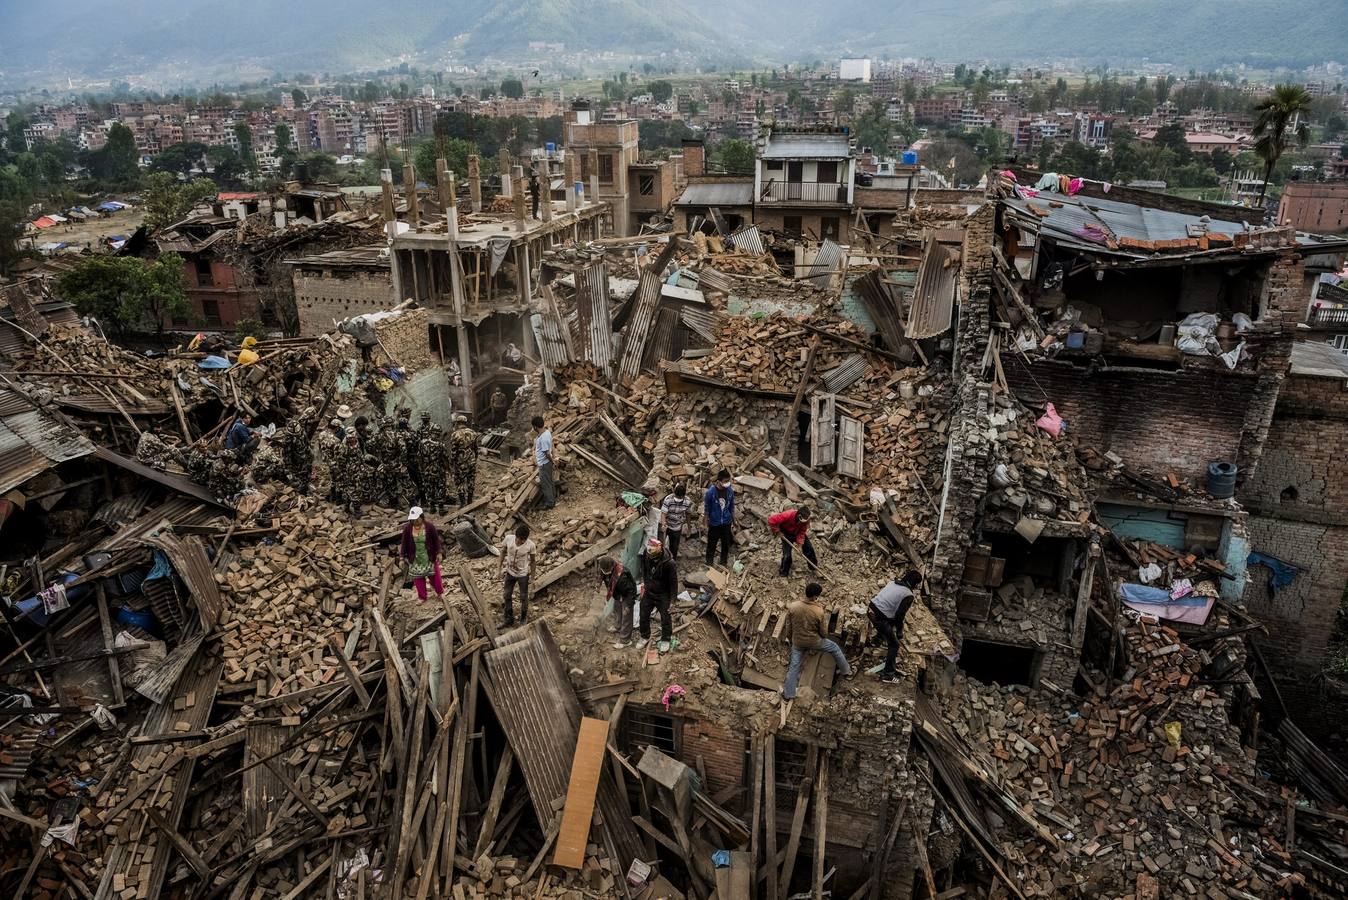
x: 793, y: 527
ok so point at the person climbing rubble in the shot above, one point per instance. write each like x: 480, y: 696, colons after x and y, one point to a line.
x: 793, y: 527
x: 517, y: 559
x: 620, y: 589
x: 674, y: 515
x: 718, y: 505
x: 807, y: 632
x: 659, y: 584
x: 886, y: 613
x: 420, y: 551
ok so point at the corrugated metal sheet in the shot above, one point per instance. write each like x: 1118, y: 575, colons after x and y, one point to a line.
x: 189, y: 560
x: 932, y: 304
x: 540, y: 714
x: 98, y: 405
x: 806, y: 146
x: 846, y: 374
x: 748, y: 239
x: 711, y: 280
x: 825, y: 263
x: 706, y: 323
x: 595, y: 327
x: 643, y: 315
x: 31, y: 442
x: 664, y: 342
x: 125, y: 508
x: 722, y: 193
x: 884, y: 309
x: 1125, y: 220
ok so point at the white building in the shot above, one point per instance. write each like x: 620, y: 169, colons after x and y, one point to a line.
x: 854, y: 70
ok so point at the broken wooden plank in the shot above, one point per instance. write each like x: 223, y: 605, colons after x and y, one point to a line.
x: 586, y: 767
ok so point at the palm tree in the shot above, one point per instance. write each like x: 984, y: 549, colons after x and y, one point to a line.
x: 1287, y: 104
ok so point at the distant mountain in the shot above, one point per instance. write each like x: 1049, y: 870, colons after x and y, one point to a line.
x: 193, y: 41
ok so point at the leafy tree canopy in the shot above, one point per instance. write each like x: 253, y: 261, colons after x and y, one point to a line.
x: 126, y: 292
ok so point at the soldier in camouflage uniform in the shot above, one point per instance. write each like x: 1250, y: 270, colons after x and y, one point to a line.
x: 354, y: 477
x: 382, y: 445
x: 152, y: 451
x: 433, y: 464
x: 267, y: 464
x: 296, y: 452
x: 225, y: 478
x: 409, y: 481
x: 329, y: 443
x: 197, y: 461
x: 463, y: 449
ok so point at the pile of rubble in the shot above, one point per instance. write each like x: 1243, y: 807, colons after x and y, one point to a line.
x: 1144, y: 784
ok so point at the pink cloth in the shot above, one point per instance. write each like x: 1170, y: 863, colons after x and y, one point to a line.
x: 436, y: 582
x: 1188, y: 613
x: 1074, y: 186
x: 1050, y: 421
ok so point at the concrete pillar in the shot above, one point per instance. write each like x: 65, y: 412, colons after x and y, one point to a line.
x: 621, y: 224
x: 410, y: 193
x: 544, y: 190
x: 521, y: 201
x: 504, y: 162
x: 569, y: 181
x: 475, y: 182
x: 390, y: 232
x: 449, y: 200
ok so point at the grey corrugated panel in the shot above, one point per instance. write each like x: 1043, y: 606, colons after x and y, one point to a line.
x: 882, y: 308
x: 663, y: 343
x: 846, y: 374
x: 705, y: 322
x: 12, y: 402
x: 722, y: 193
x: 1318, y: 359
x: 1124, y: 219
x: 122, y: 509
x: 189, y: 560
x: 98, y: 405
x: 540, y: 714
x: 711, y: 279
x: 552, y: 346
x: 643, y: 315
x: 748, y: 239
x: 933, y: 300
x: 32, y: 442
x: 592, y: 311
x: 825, y: 261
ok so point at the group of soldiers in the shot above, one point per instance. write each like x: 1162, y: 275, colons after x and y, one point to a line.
x: 395, y: 465
x: 389, y: 464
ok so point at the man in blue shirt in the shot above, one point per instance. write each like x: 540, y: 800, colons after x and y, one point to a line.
x: 718, y: 504
x: 547, y: 472
x: 240, y: 436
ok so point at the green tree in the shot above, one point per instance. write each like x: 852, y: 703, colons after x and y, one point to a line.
x: 227, y: 166
x: 873, y: 128
x: 126, y: 292
x: 14, y: 139
x: 512, y: 88
x: 244, y: 135
x: 320, y: 166
x: 298, y: 96
x: 736, y: 156
x: 661, y: 90
x: 181, y: 158
x: 286, y: 155
x: 11, y: 230
x: 118, y: 160
x: 1173, y: 137
x: 1284, y: 109
x: 455, y: 151
x: 166, y: 200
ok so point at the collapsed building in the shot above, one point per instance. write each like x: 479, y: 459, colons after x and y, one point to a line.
x: 1045, y: 403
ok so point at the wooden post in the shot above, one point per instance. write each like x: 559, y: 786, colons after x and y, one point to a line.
x: 820, y: 825
x: 475, y: 182
x: 800, y: 395
x: 770, y: 813
x: 410, y: 194
x: 449, y: 199
x: 521, y: 201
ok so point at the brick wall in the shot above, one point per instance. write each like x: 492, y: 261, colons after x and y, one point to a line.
x: 1304, y: 471
x: 324, y: 298
x: 721, y: 751
x: 406, y: 337
x: 1284, y: 297
x: 1159, y: 421
x: 1307, y: 395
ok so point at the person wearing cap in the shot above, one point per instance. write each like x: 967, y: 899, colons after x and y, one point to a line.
x: 463, y: 450
x: 420, y: 551
x: 718, y: 505
x: 793, y: 527
x: 659, y: 584
x: 620, y: 588
x: 517, y: 558
x: 807, y: 632
x: 886, y: 613
x: 543, y: 459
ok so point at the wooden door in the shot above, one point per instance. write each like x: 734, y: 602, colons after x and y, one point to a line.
x: 851, y: 447
x: 823, y: 429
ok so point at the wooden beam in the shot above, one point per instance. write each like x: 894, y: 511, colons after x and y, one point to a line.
x: 295, y: 792
x: 770, y: 812
x: 820, y: 836
x: 188, y: 852
x: 577, y: 562
x: 798, y: 822
x: 357, y: 687
x: 483, y: 611
x: 800, y: 395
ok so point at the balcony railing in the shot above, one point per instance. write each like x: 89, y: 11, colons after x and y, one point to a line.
x: 804, y: 192
x: 1328, y: 315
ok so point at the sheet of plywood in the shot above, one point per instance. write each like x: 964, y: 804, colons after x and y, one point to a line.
x: 586, y: 766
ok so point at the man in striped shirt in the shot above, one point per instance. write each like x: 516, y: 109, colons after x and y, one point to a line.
x: 674, y: 512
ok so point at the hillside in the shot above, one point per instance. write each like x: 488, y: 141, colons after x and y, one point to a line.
x: 188, y: 41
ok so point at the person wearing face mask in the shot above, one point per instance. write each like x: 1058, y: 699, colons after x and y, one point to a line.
x: 718, y: 505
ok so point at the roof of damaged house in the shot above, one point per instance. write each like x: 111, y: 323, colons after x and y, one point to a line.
x: 1141, y: 232
x: 717, y: 193
x: 32, y: 441
x: 806, y: 145
x: 354, y: 258
x: 1319, y: 360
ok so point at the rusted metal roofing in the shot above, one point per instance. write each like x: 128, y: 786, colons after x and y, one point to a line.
x: 31, y: 442
x: 189, y: 560
x: 177, y: 482
x: 540, y: 713
x: 933, y: 300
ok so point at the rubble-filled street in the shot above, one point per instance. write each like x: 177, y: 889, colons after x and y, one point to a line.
x: 702, y: 562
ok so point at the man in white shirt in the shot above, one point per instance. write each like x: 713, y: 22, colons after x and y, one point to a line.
x: 517, y: 557
x: 547, y: 472
x: 886, y: 612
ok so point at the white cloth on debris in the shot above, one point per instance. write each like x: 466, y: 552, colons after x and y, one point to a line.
x: 1149, y: 573
x: 66, y: 832
x: 104, y: 717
